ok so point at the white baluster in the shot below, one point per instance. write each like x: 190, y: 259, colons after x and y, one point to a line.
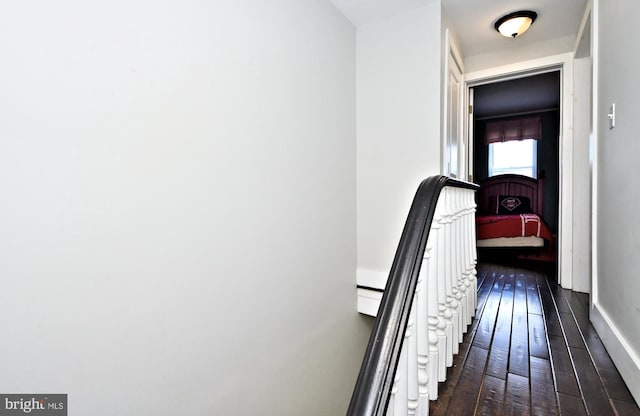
x: 412, y: 361
x: 474, y: 250
x: 400, y: 382
x: 470, y: 249
x: 463, y: 281
x: 466, y: 257
x: 436, y: 323
x: 422, y: 294
x: 445, y: 313
x: 462, y: 277
x: 455, y: 258
x: 471, y: 227
x: 443, y: 306
x: 451, y: 280
x: 462, y: 265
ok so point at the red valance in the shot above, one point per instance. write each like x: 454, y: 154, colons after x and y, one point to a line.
x: 529, y: 128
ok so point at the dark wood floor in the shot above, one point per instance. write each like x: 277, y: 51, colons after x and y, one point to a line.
x: 531, y: 351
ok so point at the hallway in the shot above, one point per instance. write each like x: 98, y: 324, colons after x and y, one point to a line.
x: 531, y: 351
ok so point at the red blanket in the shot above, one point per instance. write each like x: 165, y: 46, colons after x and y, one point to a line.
x: 522, y: 225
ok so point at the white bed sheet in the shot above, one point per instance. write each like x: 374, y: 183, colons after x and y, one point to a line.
x: 532, y: 241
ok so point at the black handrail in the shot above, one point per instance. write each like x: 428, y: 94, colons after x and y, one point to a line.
x: 375, y: 380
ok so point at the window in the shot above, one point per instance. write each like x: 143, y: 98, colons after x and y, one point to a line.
x: 515, y: 156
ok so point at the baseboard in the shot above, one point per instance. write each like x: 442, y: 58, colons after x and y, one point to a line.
x: 369, y: 301
x: 623, y: 356
x: 372, y: 278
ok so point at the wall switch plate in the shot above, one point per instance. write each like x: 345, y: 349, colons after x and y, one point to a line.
x: 612, y: 116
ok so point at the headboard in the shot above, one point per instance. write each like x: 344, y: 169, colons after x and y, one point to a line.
x: 509, y: 184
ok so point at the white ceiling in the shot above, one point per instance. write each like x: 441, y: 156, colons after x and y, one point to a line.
x: 473, y: 19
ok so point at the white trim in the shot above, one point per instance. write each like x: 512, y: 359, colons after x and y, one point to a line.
x: 468, y: 132
x: 452, y: 47
x: 518, y: 69
x: 620, y: 351
x: 371, y: 278
x: 594, y: 149
x: 565, y: 209
x: 369, y: 301
x: 583, y: 116
x: 564, y: 63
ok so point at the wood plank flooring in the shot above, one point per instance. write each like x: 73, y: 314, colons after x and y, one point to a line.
x: 531, y: 350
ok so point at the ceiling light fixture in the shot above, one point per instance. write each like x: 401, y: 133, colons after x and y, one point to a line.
x: 516, y: 23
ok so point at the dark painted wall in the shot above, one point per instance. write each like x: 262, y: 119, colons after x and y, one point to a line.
x: 548, y: 160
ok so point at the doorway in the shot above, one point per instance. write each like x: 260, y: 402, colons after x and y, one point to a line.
x: 530, y: 96
x: 504, y: 102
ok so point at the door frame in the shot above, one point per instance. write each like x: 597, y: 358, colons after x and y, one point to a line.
x: 563, y: 63
x: 585, y: 278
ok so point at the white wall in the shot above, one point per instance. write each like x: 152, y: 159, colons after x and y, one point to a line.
x: 398, y: 128
x: 179, y: 208
x: 617, y: 304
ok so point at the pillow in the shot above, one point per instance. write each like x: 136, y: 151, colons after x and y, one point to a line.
x: 508, y: 204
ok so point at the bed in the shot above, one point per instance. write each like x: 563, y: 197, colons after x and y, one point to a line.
x: 510, y: 212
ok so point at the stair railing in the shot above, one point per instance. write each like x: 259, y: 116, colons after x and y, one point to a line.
x: 428, y: 302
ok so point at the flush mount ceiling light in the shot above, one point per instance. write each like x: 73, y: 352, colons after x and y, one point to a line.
x: 516, y: 23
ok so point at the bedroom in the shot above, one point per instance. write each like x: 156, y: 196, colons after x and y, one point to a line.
x: 516, y: 131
